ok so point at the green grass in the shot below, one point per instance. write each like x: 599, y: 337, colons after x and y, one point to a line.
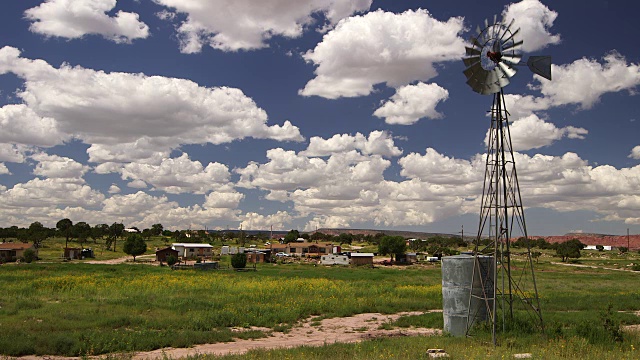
x: 74, y: 309
x: 77, y: 309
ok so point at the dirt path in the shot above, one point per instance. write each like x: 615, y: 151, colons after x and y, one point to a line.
x: 342, y: 330
x: 594, y: 267
x: 120, y: 260
x: 309, y: 333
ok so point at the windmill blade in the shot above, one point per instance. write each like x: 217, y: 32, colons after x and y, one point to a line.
x: 540, y: 65
x: 471, y: 60
x: 504, y: 77
x: 472, y: 51
x: 492, y: 83
x: 512, y: 35
x: 512, y: 59
x: 477, y: 82
x: 507, y: 70
x: 513, y: 45
x: 506, y: 31
x: 475, y: 42
x: 475, y: 69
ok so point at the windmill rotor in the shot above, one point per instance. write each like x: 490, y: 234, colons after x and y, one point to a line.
x: 492, y: 59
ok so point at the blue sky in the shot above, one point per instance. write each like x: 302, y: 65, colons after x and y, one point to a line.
x: 309, y: 113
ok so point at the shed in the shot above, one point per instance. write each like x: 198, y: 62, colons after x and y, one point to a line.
x: 72, y: 253
x: 358, y: 259
x: 163, y: 254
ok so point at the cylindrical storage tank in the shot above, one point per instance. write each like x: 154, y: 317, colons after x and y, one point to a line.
x: 457, y: 272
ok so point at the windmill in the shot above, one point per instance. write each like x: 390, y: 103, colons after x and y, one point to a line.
x: 491, y: 62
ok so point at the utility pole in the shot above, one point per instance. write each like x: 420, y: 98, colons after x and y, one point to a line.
x: 628, y: 242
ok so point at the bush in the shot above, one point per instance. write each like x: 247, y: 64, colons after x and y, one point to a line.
x: 172, y: 260
x: 623, y: 249
x: 239, y: 261
x: 29, y: 255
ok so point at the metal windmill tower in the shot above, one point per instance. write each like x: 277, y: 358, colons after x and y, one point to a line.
x: 499, y: 285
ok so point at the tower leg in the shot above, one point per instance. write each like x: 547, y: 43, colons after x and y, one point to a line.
x: 501, y: 221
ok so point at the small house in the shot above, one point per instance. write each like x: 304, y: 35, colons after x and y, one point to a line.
x: 258, y: 256
x: 358, y: 259
x: 163, y: 254
x: 334, y: 260
x: 193, y: 251
x: 14, y: 251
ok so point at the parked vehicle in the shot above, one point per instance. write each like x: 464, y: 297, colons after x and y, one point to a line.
x: 282, y: 254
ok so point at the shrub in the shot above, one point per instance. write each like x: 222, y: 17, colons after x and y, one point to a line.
x: 172, y: 260
x: 239, y: 261
x: 623, y: 249
x: 29, y: 255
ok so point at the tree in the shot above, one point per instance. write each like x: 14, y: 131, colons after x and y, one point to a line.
x: 99, y: 231
x: 29, y: 255
x: 134, y: 245
x: 172, y: 260
x: 239, y: 261
x: 345, y: 238
x: 37, y: 233
x: 65, y: 226
x: 392, y: 245
x: 156, y: 229
x: 291, y: 236
x: 569, y: 249
x: 115, y: 231
x: 146, y: 233
x: 82, y: 231
x: 600, y: 247
x: 623, y: 249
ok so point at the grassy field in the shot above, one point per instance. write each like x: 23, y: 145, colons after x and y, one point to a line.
x: 79, y: 309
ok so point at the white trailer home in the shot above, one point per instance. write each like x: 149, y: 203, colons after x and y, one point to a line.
x: 334, y: 260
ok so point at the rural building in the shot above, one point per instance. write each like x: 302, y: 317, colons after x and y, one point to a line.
x: 408, y: 258
x: 334, y: 260
x: 188, y: 250
x: 163, y: 254
x: 303, y: 249
x: 258, y: 256
x: 14, y: 251
x: 358, y: 259
x: 72, y: 253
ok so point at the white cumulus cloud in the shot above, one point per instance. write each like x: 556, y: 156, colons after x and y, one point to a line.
x: 635, y: 153
x: 584, y: 81
x: 378, y: 143
x: 74, y: 19
x: 531, y: 132
x: 411, y: 103
x: 178, y: 175
x: 232, y: 25
x: 382, y: 47
x: 129, y: 117
x: 534, y: 20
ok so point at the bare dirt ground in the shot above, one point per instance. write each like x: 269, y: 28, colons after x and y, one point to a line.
x: 594, y: 267
x: 309, y: 333
x: 121, y: 260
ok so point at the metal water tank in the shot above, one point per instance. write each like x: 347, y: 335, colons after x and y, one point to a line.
x: 457, y: 272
